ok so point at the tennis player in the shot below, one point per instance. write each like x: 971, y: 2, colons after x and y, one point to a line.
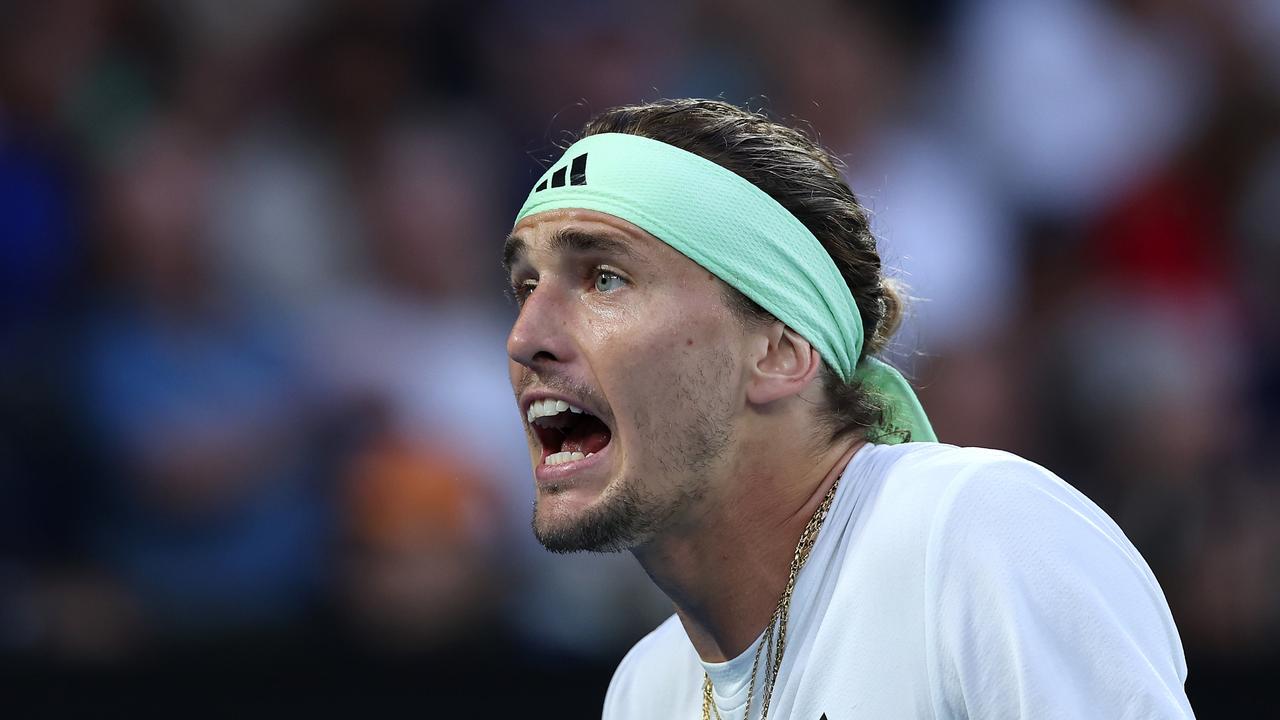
x: 701, y: 304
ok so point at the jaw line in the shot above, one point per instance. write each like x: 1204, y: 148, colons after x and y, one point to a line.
x: 581, y: 529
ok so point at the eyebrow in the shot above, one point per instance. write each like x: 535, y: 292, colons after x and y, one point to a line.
x: 512, y: 249
x: 568, y: 240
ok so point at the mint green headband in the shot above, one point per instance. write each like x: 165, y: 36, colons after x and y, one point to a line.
x: 736, y: 231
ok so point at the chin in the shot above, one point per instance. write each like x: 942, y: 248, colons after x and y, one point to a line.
x: 565, y: 521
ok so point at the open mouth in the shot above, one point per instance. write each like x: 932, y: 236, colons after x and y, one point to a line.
x: 567, y: 433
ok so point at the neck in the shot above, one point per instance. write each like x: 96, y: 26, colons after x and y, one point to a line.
x: 726, y: 569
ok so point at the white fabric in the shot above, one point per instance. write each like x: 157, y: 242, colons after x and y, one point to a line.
x: 947, y: 583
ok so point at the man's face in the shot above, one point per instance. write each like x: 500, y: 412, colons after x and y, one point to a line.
x: 617, y: 324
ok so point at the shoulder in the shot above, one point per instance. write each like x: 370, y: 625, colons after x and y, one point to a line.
x: 656, y: 678
x: 990, y: 501
x: 916, y: 512
x: 933, y: 468
x: 1027, y: 579
x: 946, y: 485
x: 979, y: 504
x: 915, y: 491
x: 1007, y: 525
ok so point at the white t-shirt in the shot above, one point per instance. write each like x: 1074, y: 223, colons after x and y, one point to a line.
x: 946, y: 583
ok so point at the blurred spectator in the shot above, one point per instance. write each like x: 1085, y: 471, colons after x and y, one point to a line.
x: 419, y: 566
x: 1071, y: 100
x: 214, y: 514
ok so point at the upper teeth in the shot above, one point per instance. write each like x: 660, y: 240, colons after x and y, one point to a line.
x: 549, y: 407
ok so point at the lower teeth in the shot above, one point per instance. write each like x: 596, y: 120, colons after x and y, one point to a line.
x: 564, y: 457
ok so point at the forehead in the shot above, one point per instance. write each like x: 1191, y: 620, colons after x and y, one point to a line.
x: 559, y: 232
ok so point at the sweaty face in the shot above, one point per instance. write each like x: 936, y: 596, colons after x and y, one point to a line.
x: 624, y: 361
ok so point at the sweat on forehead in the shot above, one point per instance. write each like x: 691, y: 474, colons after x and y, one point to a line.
x: 568, y: 239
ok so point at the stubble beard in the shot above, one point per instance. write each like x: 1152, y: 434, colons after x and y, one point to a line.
x: 632, y: 512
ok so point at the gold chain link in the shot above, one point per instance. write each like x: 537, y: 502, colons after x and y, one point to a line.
x: 777, y: 622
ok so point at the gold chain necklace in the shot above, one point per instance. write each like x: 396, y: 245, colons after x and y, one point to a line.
x: 777, y: 623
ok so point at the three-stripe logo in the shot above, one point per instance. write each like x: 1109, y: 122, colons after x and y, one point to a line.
x: 577, y: 171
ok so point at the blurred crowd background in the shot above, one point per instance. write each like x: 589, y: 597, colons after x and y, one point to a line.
x: 258, y: 441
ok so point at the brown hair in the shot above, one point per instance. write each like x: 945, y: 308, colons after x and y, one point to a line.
x: 805, y: 179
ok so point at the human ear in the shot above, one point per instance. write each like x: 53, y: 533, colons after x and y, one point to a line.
x: 785, y: 368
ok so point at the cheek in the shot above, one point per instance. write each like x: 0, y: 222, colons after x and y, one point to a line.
x: 659, y: 361
x: 655, y: 348
x: 672, y: 370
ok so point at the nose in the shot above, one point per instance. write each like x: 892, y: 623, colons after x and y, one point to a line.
x: 541, y: 334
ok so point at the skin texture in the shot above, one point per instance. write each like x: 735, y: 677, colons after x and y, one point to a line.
x: 717, y: 458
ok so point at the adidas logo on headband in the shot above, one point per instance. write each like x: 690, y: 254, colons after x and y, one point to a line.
x: 577, y: 174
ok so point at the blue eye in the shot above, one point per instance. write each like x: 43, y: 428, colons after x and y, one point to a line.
x: 606, y: 281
